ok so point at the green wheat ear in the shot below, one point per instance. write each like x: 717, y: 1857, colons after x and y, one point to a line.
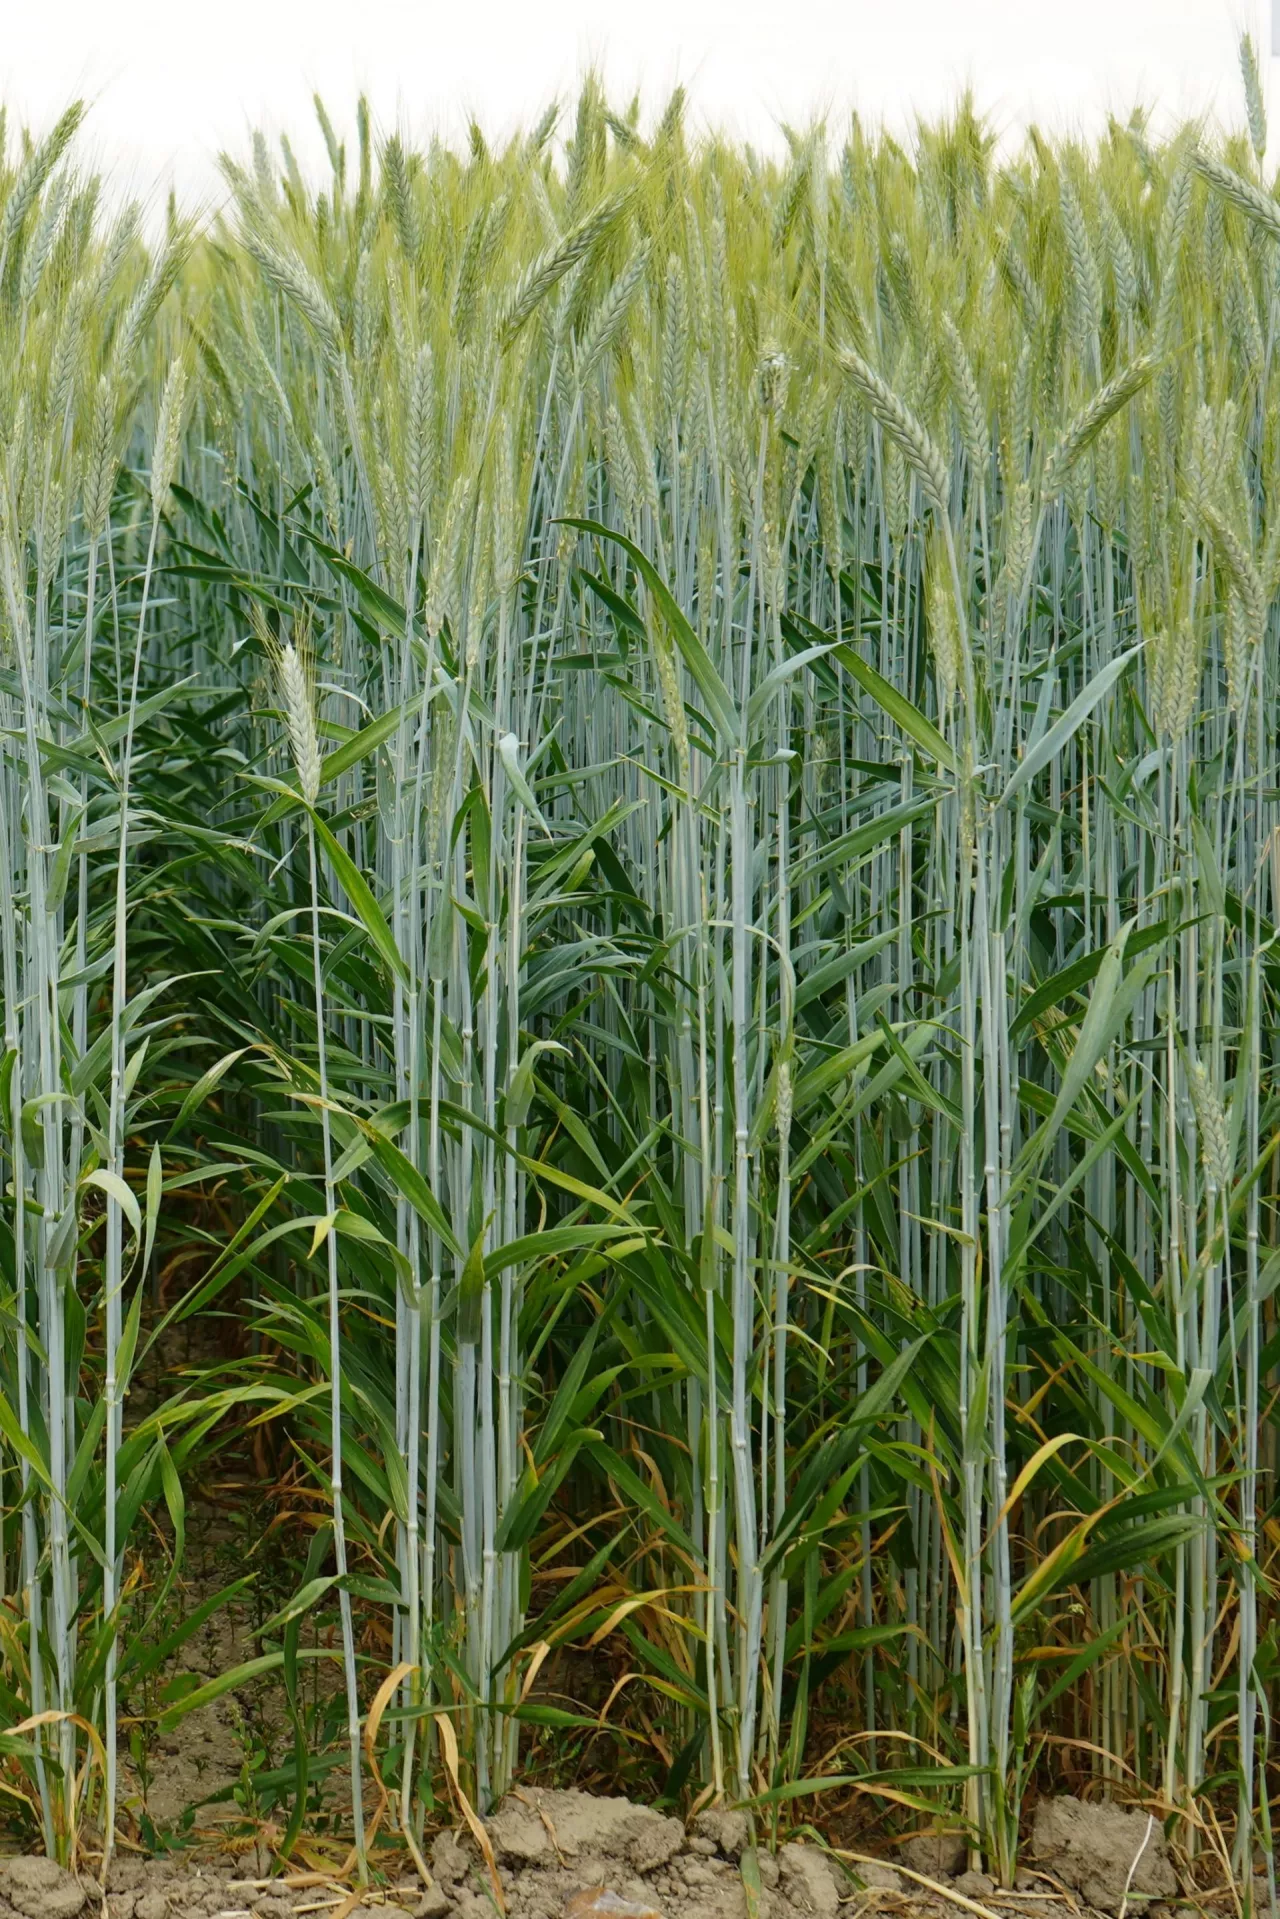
x: 293, y: 665
x: 717, y: 1132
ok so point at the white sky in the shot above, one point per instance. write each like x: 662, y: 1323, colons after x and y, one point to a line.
x: 173, y: 81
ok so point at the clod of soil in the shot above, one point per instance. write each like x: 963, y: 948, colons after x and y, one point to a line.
x: 939, y: 1855
x: 809, y: 1883
x: 573, y: 1855
x: 975, y: 1885
x: 880, y: 1878
x: 1093, y: 1850
x: 726, y: 1832
x: 39, y: 1889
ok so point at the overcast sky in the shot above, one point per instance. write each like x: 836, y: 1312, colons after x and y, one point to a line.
x: 174, y: 81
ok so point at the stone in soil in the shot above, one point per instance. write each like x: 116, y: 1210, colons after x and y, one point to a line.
x: 1092, y: 1849
x: 599, y: 1902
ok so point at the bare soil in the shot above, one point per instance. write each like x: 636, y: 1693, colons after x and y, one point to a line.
x: 574, y: 1855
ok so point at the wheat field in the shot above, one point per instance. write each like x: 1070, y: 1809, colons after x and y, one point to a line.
x: 639, y: 789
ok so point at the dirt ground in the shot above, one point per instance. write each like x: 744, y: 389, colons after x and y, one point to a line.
x: 573, y: 1855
